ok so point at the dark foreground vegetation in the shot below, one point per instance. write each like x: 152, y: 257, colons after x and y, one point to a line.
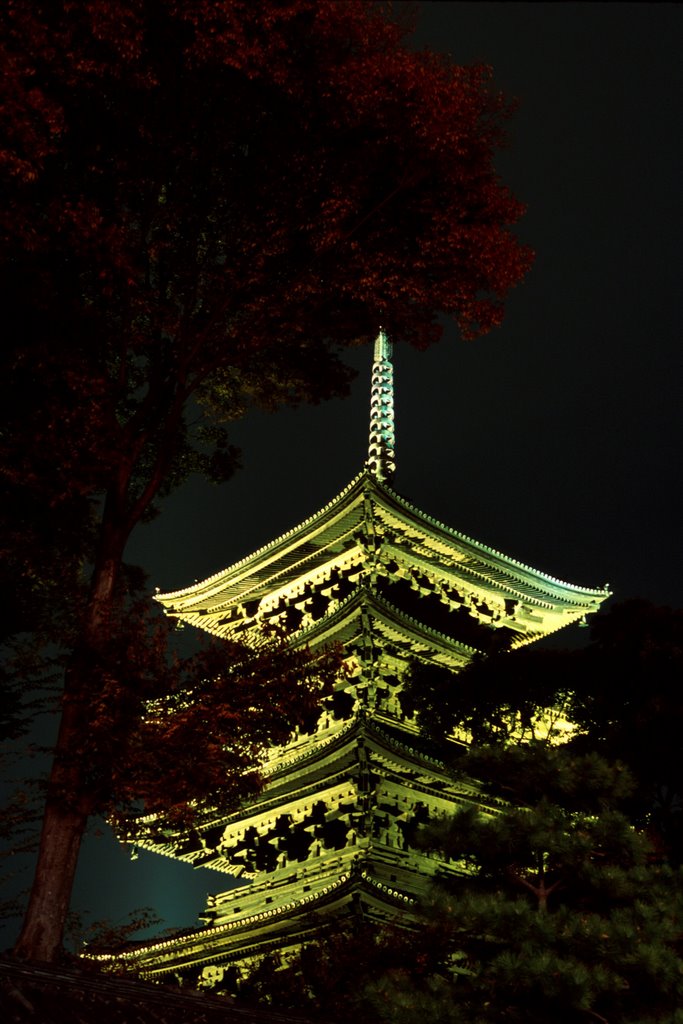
x: 30, y: 994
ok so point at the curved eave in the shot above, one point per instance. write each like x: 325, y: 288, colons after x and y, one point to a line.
x: 222, y: 943
x: 215, y: 584
x: 511, y: 570
x: 325, y: 629
x: 478, y: 563
x: 330, y: 628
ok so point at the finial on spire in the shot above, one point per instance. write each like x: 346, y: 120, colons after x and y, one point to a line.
x: 381, y: 448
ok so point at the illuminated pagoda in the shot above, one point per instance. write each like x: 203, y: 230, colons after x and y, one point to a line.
x: 330, y: 833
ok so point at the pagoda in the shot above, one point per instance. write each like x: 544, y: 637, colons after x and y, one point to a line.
x: 331, y: 833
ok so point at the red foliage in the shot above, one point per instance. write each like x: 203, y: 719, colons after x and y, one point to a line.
x: 205, y: 736
x: 323, y: 175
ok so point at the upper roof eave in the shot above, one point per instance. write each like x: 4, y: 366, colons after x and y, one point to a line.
x: 482, y: 550
x: 348, y: 494
x: 395, y: 503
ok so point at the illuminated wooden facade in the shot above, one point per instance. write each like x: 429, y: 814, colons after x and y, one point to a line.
x: 331, y: 832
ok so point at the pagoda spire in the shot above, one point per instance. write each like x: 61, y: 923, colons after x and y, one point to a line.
x: 381, y: 462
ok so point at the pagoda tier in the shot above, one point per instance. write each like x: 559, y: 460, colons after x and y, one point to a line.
x: 370, y: 547
x: 331, y: 835
x: 332, y: 832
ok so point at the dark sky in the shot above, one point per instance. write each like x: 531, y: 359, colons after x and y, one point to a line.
x: 557, y: 439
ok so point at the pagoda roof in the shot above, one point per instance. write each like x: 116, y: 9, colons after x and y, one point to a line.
x: 325, y: 771
x: 369, y: 531
x: 263, y: 929
x: 380, y: 875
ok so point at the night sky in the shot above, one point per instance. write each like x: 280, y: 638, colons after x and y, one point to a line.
x: 557, y: 439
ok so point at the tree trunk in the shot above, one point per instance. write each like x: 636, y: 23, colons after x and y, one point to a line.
x: 64, y: 822
x: 70, y: 799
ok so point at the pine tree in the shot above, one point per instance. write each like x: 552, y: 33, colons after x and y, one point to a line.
x: 563, y: 913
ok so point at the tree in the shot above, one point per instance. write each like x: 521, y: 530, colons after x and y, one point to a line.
x: 179, y: 733
x: 358, y: 972
x: 563, y: 913
x: 560, y: 913
x: 206, y: 201
x: 628, y: 698
x: 505, y: 697
x: 621, y: 695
